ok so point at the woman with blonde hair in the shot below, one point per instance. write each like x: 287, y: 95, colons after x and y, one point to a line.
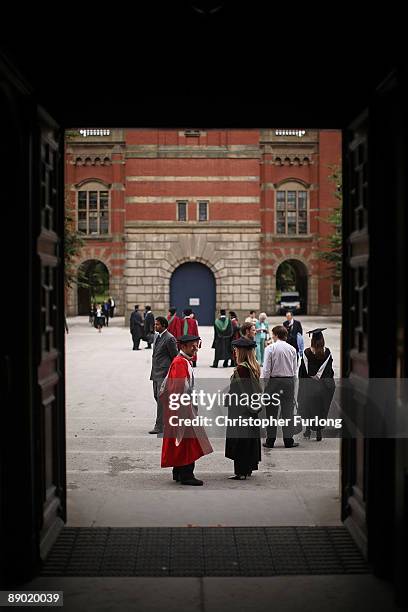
x: 262, y: 333
x: 243, y: 442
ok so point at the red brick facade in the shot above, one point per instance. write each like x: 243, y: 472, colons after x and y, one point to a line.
x: 238, y: 173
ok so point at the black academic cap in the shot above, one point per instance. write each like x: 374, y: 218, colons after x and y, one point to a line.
x: 244, y: 343
x: 186, y: 338
x: 223, y: 311
x: 316, y: 332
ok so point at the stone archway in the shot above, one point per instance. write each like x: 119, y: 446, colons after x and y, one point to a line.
x: 93, y: 284
x: 292, y: 275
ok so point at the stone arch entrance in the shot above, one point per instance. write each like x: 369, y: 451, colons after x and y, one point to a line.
x: 192, y: 285
x: 93, y: 284
x: 292, y: 275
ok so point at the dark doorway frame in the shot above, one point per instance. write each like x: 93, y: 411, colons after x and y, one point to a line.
x: 26, y: 513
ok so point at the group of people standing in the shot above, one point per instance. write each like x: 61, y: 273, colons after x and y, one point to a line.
x: 174, y: 354
x: 100, y: 314
x: 227, y: 329
x: 142, y: 327
x: 166, y: 348
x: 281, y: 367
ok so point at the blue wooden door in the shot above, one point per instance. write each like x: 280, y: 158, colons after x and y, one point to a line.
x: 192, y: 286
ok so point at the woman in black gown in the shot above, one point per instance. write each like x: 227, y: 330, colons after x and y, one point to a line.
x: 316, y: 382
x: 243, y: 444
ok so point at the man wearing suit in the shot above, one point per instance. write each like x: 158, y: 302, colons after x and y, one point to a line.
x: 149, y: 327
x: 293, y: 328
x: 136, y: 327
x: 164, y: 351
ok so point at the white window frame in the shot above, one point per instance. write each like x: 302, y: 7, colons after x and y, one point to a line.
x: 177, y: 210
x: 198, y: 210
x: 98, y: 187
x: 297, y: 187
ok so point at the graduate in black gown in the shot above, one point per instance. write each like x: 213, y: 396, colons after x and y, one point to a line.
x: 222, y: 340
x: 243, y: 444
x: 316, y: 382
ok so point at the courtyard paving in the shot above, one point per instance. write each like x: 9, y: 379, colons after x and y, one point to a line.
x: 113, y: 465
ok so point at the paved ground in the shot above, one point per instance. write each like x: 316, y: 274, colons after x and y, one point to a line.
x: 259, y: 594
x: 113, y: 464
x: 114, y: 479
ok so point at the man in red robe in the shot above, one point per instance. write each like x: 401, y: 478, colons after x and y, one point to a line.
x: 189, y: 326
x: 183, y: 443
x: 175, y: 323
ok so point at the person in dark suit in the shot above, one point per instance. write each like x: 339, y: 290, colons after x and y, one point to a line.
x: 136, y: 327
x: 148, y: 327
x: 92, y: 313
x: 293, y: 328
x: 164, y: 351
x: 106, y: 312
x: 112, y: 306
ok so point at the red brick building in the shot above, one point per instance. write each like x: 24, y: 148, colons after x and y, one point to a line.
x: 204, y: 217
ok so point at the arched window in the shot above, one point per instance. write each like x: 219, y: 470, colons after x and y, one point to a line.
x: 291, y: 205
x: 93, y: 209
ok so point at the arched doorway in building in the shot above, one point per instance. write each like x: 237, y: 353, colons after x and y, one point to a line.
x: 93, y: 284
x: 291, y: 277
x: 192, y: 285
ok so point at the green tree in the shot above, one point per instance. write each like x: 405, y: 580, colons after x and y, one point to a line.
x: 73, y: 244
x: 331, y: 249
x: 98, y: 280
x: 286, y: 277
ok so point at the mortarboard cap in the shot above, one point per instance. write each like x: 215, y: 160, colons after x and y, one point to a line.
x: 316, y: 332
x: 186, y: 338
x: 244, y: 343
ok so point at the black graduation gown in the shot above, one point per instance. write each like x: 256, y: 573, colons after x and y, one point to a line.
x: 222, y: 342
x: 293, y: 331
x: 315, y: 394
x: 149, y: 328
x: 136, y: 325
x: 243, y: 444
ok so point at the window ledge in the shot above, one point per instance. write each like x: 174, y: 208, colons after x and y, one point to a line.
x: 292, y: 236
x: 96, y: 236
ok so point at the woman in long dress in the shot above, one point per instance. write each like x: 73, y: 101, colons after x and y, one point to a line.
x: 316, y: 382
x: 243, y: 444
x: 262, y: 333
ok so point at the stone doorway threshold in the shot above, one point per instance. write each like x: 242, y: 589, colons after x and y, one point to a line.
x: 204, y: 551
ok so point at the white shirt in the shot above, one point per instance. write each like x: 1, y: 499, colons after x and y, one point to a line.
x: 280, y: 359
